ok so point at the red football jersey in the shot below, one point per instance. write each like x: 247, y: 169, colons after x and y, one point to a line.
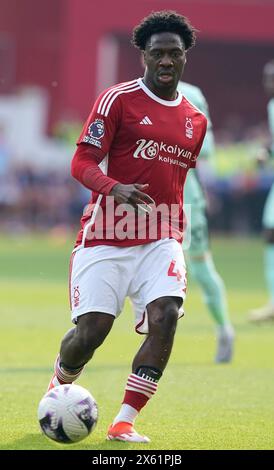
x: 145, y: 139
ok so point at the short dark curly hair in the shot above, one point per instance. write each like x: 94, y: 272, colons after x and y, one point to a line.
x: 163, y: 21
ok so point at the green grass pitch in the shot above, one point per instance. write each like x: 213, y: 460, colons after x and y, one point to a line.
x: 199, y: 405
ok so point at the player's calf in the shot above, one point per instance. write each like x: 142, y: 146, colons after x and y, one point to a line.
x: 63, y: 374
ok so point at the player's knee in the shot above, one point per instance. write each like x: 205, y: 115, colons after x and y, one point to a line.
x: 163, y: 316
x: 92, y: 330
x: 269, y: 235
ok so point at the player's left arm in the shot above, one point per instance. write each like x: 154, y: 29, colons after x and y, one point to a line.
x: 208, y: 146
x: 197, y: 151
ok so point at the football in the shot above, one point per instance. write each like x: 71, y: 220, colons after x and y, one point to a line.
x: 67, y: 413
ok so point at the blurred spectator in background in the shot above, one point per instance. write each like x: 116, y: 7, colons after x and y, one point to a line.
x: 34, y: 166
x: 4, y: 154
x: 32, y: 199
x: 8, y: 193
x: 236, y: 196
x: 267, y: 312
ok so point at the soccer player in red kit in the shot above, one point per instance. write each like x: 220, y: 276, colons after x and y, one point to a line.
x: 134, y: 152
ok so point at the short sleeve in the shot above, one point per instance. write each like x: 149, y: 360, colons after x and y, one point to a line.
x: 199, y: 143
x: 101, y: 126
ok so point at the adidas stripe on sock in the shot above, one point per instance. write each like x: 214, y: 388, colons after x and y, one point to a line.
x: 65, y: 375
x: 138, y: 391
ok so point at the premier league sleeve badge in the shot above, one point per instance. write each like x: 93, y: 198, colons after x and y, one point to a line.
x: 95, y: 132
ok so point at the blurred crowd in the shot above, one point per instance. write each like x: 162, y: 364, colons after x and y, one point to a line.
x: 34, y: 199
x: 236, y: 203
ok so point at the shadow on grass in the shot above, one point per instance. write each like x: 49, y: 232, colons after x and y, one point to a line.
x: 39, y: 442
x: 97, y: 368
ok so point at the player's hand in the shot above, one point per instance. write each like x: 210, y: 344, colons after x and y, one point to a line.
x: 134, y: 195
x: 262, y: 156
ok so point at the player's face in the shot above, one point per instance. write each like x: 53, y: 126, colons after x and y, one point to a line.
x: 165, y: 58
x: 268, y: 79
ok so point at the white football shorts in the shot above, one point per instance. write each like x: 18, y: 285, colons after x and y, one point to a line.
x: 101, y: 277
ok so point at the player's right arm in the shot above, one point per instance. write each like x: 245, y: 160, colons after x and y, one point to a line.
x: 85, y: 169
x: 93, y: 145
x: 132, y: 194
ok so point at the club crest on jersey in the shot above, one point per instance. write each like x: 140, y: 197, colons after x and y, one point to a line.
x: 96, y: 129
x: 189, y: 128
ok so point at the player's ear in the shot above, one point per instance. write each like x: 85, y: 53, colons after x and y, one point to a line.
x: 143, y: 58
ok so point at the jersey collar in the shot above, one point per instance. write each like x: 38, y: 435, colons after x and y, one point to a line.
x: 160, y: 100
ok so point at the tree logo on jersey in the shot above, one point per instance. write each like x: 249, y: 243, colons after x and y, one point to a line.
x: 96, y: 129
x: 189, y: 128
